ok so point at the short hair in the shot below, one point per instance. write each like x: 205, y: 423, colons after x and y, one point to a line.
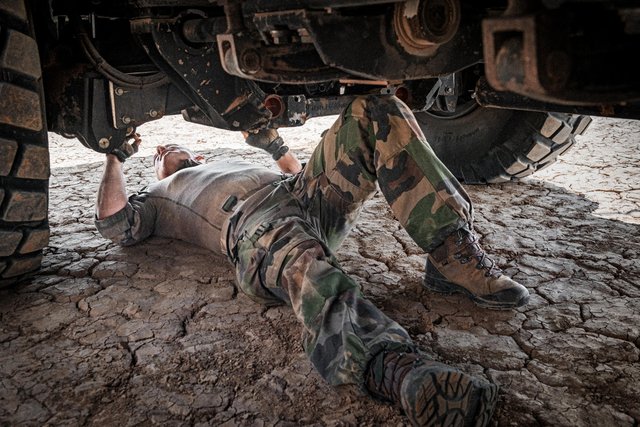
x: 188, y: 163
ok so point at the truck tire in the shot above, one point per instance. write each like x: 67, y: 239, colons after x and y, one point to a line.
x: 24, y: 155
x: 489, y: 145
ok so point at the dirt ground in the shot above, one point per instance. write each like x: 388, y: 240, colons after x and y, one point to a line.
x: 158, y: 333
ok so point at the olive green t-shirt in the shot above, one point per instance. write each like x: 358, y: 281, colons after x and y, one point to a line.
x: 190, y: 205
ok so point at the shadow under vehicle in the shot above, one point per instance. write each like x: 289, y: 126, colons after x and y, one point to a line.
x: 500, y: 88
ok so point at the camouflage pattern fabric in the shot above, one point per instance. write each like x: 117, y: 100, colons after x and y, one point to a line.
x: 285, y: 235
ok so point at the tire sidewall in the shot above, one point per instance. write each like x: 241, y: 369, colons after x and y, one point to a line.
x: 480, y: 145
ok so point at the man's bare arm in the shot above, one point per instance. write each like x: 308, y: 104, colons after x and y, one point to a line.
x: 112, y: 194
x: 289, y: 163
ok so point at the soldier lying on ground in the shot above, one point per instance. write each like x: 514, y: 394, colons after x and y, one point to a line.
x: 280, y: 233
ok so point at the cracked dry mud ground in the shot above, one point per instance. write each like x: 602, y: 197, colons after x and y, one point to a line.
x: 158, y: 334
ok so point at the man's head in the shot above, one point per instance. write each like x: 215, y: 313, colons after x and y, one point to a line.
x: 171, y: 158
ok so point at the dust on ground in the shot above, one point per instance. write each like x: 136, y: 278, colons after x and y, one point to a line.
x: 158, y: 334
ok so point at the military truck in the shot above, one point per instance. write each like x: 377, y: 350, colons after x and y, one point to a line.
x: 500, y: 87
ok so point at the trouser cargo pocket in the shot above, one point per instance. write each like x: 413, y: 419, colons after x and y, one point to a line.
x: 262, y: 256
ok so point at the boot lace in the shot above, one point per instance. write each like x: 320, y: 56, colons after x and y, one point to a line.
x: 470, y: 249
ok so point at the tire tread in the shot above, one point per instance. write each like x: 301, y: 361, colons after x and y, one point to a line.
x: 523, y: 143
x: 24, y: 156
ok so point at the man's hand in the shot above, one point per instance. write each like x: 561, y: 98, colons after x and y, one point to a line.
x: 127, y: 149
x: 267, y: 140
x: 270, y: 141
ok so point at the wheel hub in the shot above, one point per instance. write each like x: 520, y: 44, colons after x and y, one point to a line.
x: 421, y: 26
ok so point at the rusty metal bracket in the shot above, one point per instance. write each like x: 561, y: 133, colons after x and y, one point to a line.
x: 86, y: 109
x: 514, y: 51
x: 132, y: 107
x: 563, y: 56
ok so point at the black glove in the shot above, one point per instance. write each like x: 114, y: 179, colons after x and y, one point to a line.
x: 127, y: 149
x: 269, y: 141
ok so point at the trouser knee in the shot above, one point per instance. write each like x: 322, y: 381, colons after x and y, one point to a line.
x: 389, y: 123
x: 381, y: 109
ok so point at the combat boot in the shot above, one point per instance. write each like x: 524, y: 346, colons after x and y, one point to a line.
x: 460, y: 265
x: 431, y: 393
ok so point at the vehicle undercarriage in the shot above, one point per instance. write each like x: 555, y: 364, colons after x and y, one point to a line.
x: 500, y: 88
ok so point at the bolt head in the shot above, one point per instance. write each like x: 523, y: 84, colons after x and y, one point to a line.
x: 251, y: 61
x: 103, y: 143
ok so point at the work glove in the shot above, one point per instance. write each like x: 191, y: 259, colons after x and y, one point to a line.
x: 127, y: 149
x: 267, y: 140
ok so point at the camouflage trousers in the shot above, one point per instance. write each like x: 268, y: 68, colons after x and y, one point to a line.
x: 286, y: 239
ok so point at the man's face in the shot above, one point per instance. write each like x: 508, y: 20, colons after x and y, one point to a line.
x: 171, y: 158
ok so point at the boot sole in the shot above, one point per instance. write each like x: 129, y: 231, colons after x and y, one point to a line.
x: 442, y: 286
x: 453, y: 398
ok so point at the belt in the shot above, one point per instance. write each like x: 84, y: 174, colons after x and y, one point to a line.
x: 227, y: 241
x: 231, y: 236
